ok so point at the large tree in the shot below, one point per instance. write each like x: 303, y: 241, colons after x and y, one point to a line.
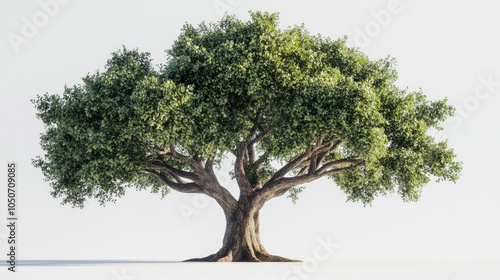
x: 289, y: 106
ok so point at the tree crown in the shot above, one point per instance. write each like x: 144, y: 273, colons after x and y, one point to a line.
x: 230, y: 82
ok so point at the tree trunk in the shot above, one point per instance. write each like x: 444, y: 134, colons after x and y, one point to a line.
x: 241, y: 241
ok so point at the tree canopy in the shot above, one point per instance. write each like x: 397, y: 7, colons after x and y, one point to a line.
x: 308, y: 103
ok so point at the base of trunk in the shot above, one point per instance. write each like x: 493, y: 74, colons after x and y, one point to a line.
x: 242, y: 252
x: 229, y: 258
x: 241, y: 241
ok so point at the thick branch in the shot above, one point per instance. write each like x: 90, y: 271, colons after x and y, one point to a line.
x: 239, y: 171
x: 213, y: 188
x: 180, y: 187
x: 203, y: 179
x: 251, y: 153
x: 313, y: 165
x: 160, y: 165
x: 209, y: 166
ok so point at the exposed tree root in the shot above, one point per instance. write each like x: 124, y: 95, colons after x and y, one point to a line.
x: 260, y: 257
x: 274, y: 258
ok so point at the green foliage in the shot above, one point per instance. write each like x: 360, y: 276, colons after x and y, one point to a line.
x: 293, y: 194
x: 221, y: 78
x: 97, y: 134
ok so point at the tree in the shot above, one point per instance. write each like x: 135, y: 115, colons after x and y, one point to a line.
x: 289, y: 106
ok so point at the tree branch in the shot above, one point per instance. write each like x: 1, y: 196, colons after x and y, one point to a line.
x: 303, y: 170
x: 262, y: 135
x: 157, y: 164
x: 251, y: 153
x: 180, y: 187
x: 300, y: 161
x: 239, y: 171
x: 313, y: 165
x: 209, y: 166
x: 287, y: 168
x: 194, y: 161
x: 330, y: 165
x: 280, y: 185
x: 289, y: 183
x: 324, y: 149
x: 203, y: 178
x: 214, y: 189
x: 245, y: 154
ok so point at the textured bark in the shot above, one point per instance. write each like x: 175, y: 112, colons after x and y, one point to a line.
x: 241, y: 241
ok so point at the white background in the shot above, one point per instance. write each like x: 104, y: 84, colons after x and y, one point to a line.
x: 447, y: 48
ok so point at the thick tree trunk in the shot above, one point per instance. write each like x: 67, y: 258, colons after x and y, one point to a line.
x: 241, y: 241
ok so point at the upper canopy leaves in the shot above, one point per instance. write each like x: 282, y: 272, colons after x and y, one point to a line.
x: 228, y: 81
